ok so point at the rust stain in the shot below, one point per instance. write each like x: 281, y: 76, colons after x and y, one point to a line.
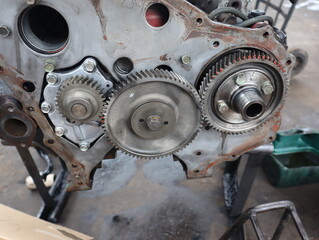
x: 164, y: 57
x: 103, y: 20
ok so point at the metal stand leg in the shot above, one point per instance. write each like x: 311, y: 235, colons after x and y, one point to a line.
x: 55, y: 199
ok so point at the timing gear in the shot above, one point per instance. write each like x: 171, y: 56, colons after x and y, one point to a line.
x: 80, y: 100
x: 242, y: 90
x: 153, y: 114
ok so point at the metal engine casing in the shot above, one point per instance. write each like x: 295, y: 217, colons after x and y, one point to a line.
x: 106, y: 31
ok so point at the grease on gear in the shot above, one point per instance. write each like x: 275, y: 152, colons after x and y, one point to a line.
x: 80, y: 100
x: 160, y: 114
x: 243, y: 90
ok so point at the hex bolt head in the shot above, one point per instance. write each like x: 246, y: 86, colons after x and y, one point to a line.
x: 4, y: 31
x: 59, y: 131
x: 241, y: 79
x: 46, y: 107
x: 52, y: 79
x: 84, y: 146
x: 222, y: 107
x: 154, y: 122
x: 89, y: 65
x: 49, y: 65
x: 267, y: 88
x: 185, y: 59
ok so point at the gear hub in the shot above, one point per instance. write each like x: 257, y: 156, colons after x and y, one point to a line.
x: 80, y: 100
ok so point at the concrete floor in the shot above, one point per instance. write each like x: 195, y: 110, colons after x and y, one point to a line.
x: 135, y: 199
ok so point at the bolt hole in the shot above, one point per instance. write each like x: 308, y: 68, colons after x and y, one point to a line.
x: 199, y: 21
x: 157, y: 15
x: 235, y: 5
x: 216, y: 44
x: 1, y: 69
x: 43, y: 29
x: 198, y: 153
x: 266, y: 35
x: 270, y: 138
x: 74, y: 166
x: 28, y: 86
x: 123, y: 65
x: 50, y: 141
x: 166, y: 123
x: 107, y: 85
x: 289, y: 62
x: 208, y: 128
x: 164, y: 67
x: 196, y: 171
x: 30, y: 109
x: 233, y: 156
x: 141, y: 120
x: 15, y: 127
x: 254, y: 110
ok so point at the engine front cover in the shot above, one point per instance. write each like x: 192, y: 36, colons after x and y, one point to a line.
x: 148, y: 78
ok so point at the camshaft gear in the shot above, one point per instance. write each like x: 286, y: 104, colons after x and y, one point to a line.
x: 242, y: 90
x: 80, y: 100
x: 153, y: 114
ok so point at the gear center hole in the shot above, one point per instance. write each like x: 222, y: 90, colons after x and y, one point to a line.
x: 254, y: 110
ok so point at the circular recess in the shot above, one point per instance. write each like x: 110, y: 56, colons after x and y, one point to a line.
x: 123, y: 65
x: 28, y: 86
x: 254, y: 110
x: 15, y: 127
x: 157, y: 15
x: 199, y: 21
x: 216, y: 44
x: 43, y: 29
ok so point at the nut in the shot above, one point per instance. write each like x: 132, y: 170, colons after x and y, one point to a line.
x: 84, y: 146
x: 46, y: 107
x: 52, y: 79
x: 267, y: 88
x: 59, y: 131
x: 154, y: 122
x: 222, y: 107
x: 89, y: 65
x: 4, y: 31
x: 241, y: 79
x: 186, y: 59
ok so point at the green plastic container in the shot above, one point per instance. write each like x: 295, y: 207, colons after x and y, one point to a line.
x: 295, y: 160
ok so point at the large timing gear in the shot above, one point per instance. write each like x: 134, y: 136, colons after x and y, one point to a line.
x: 242, y: 90
x: 153, y: 114
x: 80, y: 100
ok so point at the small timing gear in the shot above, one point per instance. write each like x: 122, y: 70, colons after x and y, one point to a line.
x: 80, y: 100
x: 153, y: 114
x: 242, y: 90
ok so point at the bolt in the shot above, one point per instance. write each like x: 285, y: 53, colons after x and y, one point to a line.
x: 186, y: 59
x: 46, y: 107
x: 23, y: 145
x: 79, y: 110
x: 49, y: 65
x: 154, y: 122
x: 4, y: 31
x: 31, y: 2
x: 59, y: 131
x: 267, y: 88
x: 10, y: 109
x: 84, y: 146
x: 240, y: 80
x: 90, y: 65
x: 222, y: 107
x: 52, y: 79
